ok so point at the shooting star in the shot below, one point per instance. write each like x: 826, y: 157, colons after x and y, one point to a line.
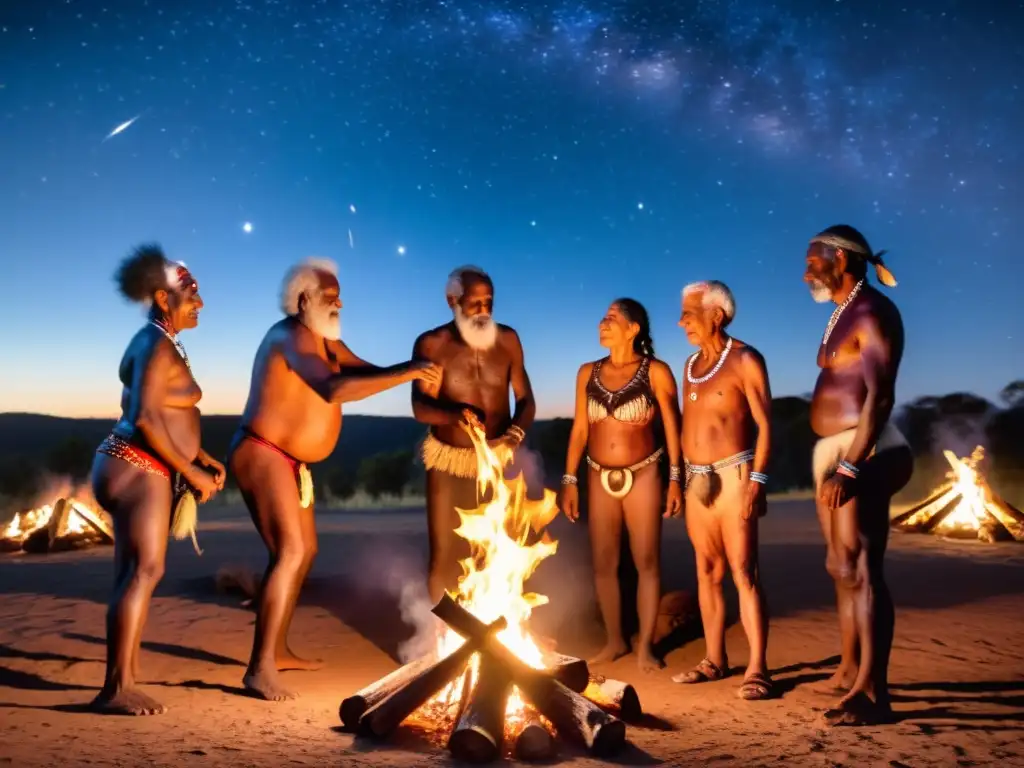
x: 351, y: 240
x: 122, y: 127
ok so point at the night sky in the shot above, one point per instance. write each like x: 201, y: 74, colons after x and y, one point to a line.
x: 578, y: 151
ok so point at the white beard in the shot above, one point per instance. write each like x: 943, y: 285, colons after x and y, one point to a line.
x: 820, y: 292
x: 479, y: 332
x: 323, y: 322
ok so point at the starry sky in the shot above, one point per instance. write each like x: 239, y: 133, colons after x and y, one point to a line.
x: 578, y: 150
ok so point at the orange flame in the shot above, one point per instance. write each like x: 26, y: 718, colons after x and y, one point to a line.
x: 501, y: 561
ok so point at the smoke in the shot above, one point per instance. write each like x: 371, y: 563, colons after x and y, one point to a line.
x: 53, y: 487
x: 401, y: 577
x: 530, y: 464
x: 959, y: 434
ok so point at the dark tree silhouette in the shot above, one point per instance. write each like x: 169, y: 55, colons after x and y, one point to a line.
x: 385, y: 473
x: 1012, y: 394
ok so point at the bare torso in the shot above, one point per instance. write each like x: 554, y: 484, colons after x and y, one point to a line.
x: 179, y: 409
x: 284, y: 409
x: 614, y: 443
x: 481, y: 379
x: 840, y: 391
x: 718, y: 424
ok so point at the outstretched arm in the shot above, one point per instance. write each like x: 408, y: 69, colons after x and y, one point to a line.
x: 526, y: 407
x: 880, y: 381
x: 354, y: 382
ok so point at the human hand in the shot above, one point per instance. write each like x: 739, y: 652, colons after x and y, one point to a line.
x: 473, y: 417
x: 219, y: 473
x: 203, y: 483
x: 429, y: 373
x: 674, y: 500
x: 569, y: 501
x: 756, y: 501
x: 836, y: 491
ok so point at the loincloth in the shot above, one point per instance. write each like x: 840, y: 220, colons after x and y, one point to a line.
x: 705, y: 481
x: 617, y: 482
x: 449, y: 459
x: 185, y: 511
x: 829, y: 451
x: 303, y: 477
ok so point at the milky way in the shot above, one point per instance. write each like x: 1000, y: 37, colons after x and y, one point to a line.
x: 583, y: 139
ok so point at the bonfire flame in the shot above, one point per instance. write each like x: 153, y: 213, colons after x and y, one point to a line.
x: 24, y: 524
x: 969, y: 485
x: 501, y: 561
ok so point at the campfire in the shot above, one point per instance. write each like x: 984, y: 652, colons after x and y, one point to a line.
x: 66, y: 524
x: 488, y: 682
x: 964, y: 507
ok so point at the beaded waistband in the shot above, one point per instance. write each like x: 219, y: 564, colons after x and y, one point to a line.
x: 718, y: 466
x: 119, y: 448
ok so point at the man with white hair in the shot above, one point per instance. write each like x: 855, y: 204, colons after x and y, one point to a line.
x: 860, y: 461
x: 726, y: 446
x: 302, y: 374
x: 481, y: 359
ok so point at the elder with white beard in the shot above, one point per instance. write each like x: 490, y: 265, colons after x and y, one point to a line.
x: 481, y: 360
x: 302, y: 375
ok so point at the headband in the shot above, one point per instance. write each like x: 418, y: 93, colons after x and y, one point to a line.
x: 885, y: 277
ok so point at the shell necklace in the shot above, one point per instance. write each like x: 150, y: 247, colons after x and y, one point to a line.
x: 838, y: 312
x: 175, y: 341
x: 711, y: 374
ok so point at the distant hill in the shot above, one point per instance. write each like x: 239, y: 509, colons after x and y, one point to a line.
x: 33, y: 436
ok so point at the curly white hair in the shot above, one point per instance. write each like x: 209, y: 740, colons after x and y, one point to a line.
x: 454, y: 287
x: 303, y: 278
x: 714, y: 293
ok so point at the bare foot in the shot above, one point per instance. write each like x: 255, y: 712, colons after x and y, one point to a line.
x: 610, y: 653
x: 264, y: 684
x: 858, y: 709
x: 289, y: 660
x: 126, y: 701
x: 839, y: 684
x: 648, y: 662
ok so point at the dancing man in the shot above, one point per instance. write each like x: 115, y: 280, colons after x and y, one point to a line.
x: 152, y: 463
x: 726, y: 446
x: 623, y: 402
x: 481, y: 359
x: 860, y: 462
x: 302, y: 374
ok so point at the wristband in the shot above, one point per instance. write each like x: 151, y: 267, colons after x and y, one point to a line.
x: 848, y: 469
x: 516, y: 433
x: 568, y: 479
x: 674, y: 474
x: 759, y: 477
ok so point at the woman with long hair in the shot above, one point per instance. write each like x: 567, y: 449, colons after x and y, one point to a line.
x: 622, y: 401
x: 151, y: 464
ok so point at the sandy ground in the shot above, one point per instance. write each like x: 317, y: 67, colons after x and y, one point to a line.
x: 957, y: 670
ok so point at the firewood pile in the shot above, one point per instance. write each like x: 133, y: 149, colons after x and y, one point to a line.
x: 564, y: 697
x: 65, y: 525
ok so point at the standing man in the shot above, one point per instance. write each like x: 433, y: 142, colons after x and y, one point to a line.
x: 302, y: 374
x: 481, y: 359
x: 860, y: 462
x: 726, y: 446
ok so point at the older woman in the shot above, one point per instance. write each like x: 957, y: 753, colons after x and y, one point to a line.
x: 151, y: 462
x: 619, y: 400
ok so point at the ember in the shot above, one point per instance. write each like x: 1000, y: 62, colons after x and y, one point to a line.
x: 964, y: 507
x: 65, y: 524
x: 488, y: 680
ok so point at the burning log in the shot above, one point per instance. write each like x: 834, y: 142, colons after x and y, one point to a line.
x: 66, y: 524
x: 614, y: 695
x: 965, y: 507
x: 384, y: 716
x: 356, y: 705
x: 572, y: 714
x: 534, y: 742
x: 571, y: 672
x: 478, y: 734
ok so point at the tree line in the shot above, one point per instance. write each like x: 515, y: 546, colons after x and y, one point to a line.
x: 956, y: 421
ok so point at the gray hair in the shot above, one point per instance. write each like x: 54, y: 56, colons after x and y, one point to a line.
x: 715, y: 293
x: 454, y: 288
x: 303, y: 278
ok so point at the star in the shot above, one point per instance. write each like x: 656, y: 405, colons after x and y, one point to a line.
x: 401, y: 250
x: 247, y: 227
